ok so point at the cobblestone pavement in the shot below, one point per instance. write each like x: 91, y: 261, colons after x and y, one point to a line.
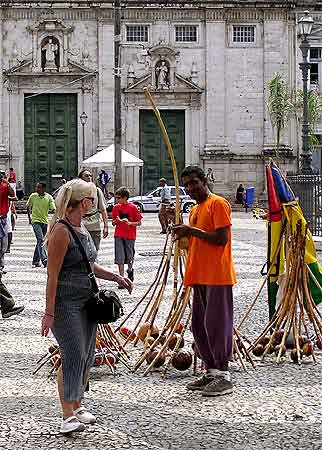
x: 271, y: 408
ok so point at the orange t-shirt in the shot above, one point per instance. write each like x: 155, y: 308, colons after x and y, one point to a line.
x: 210, y: 264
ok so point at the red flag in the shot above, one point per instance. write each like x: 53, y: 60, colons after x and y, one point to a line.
x: 274, y: 213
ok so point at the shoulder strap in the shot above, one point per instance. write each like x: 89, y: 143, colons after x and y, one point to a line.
x: 91, y: 275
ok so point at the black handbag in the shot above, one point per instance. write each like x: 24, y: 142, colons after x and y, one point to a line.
x: 104, y: 306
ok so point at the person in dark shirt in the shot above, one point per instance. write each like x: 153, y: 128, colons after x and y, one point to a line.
x: 240, y: 194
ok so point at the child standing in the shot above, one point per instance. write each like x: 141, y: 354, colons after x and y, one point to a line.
x: 125, y: 217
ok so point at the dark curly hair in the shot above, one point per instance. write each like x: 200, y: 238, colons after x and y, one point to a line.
x: 194, y: 170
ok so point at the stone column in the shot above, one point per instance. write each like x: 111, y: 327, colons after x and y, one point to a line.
x: 215, y: 82
x: 194, y: 145
x: 106, y: 83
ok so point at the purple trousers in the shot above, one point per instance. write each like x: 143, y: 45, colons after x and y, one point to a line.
x: 212, y: 324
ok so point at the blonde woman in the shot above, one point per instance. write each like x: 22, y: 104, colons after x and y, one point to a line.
x: 68, y: 290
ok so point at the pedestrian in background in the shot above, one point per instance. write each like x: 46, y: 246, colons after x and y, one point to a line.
x: 19, y: 191
x: 92, y: 220
x: 12, y: 178
x: 126, y: 218
x: 211, y: 274
x: 240, y: 195
x: 104, y: 179
x: 7, y: 303
x: 211, y: 180
x: 39, y: 204
x: 6, y: 192
x: 68, y: 291
x: 165, y: 199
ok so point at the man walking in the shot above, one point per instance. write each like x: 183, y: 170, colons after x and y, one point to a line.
x: 92, y: 219
x: 39, y: 204
x: 7, y: 303
x: 210, y: 272
x: 6, y: 192
x: 165, y: 199
x: 104, y: 179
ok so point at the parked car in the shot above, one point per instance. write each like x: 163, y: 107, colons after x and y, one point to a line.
x: 151, y: 201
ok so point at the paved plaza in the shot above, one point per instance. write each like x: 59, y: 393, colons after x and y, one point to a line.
x: 272, y: 407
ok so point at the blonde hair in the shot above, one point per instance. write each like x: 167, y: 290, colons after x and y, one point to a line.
x: 69, y: 196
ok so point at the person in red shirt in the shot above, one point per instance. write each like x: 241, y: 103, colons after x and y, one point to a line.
x: 7, y: 303
x: 125, y: 217
x: 6, y: 191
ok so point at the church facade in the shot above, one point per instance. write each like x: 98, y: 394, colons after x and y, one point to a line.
x: 207, y: 68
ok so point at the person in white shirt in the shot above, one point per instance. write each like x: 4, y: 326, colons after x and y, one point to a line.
x: 165, y: 199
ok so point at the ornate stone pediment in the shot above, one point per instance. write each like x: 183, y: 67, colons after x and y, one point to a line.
x: 25, y: 68
x: 181, y: 85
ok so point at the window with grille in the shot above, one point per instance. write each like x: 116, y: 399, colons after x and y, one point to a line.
x: 137, y: 33
x: 315, y: 53
x: 244, y: 34
x: 315, y: 66
x: 186, y: 33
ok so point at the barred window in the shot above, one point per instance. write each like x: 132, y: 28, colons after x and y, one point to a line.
x: 315, y: 53
x: 243, y: 34
x: 186, y: 33
x: 137, y: 33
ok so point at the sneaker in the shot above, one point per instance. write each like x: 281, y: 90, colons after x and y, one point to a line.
x: 130, y: 275
x: 219, y: 386
x: 13, y: 312
x: 36, y: 265
x: 71, y: 425
x: 200, y: 383
x: 85, y: 416
x: 44, y: 264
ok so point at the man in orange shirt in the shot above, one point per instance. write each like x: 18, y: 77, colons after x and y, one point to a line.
x: 210, y: 271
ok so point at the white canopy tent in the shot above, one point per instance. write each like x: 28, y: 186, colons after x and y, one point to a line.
x: 106, y: 159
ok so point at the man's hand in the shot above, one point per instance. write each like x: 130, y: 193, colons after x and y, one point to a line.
x: 105, y: 231
x: 182, y: 230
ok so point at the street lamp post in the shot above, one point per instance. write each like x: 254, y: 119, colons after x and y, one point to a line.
x: 83, y: 118
x: 305, y: 25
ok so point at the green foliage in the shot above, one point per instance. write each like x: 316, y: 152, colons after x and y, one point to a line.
x: 314, y: 113
x: 280, y: 106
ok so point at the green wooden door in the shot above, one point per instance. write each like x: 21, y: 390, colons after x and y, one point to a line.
x: 157, y: 164
x: 50, y: 139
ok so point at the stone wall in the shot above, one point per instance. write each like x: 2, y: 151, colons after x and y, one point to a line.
x: 227, y: 123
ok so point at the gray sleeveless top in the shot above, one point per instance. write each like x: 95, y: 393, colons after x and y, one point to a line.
x: 73, y: 269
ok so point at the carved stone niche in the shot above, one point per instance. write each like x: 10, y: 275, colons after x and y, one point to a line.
x: 163, y: 56
x: 50, y: 36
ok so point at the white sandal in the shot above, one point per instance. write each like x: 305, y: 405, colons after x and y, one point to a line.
x: 85, y: 416
x: 71, y: 424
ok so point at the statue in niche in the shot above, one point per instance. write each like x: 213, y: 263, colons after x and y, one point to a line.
x: 162, y: 73
x: 50, y: 55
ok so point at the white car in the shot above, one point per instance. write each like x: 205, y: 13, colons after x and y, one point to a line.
x: 151, y: 200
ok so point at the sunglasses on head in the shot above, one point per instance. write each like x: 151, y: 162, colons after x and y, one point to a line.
x: 89, y: 198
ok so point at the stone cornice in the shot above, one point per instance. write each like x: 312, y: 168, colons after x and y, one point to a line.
x: 227, y: 13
